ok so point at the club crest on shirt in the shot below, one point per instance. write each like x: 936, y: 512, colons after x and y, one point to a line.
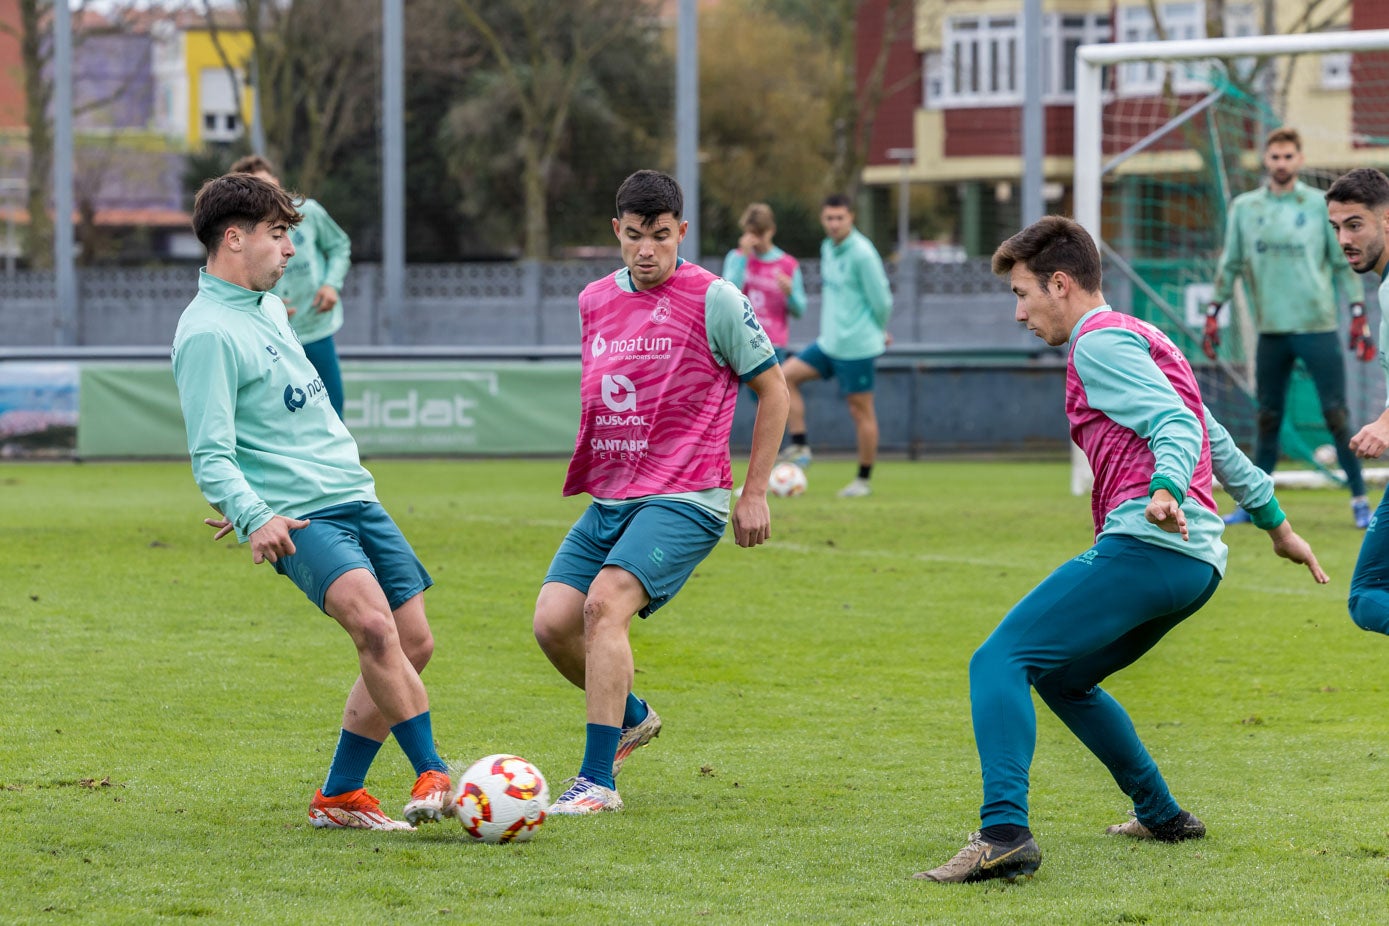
x: 661, y: 312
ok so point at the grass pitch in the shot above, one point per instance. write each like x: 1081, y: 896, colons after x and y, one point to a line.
x: 168, y: 709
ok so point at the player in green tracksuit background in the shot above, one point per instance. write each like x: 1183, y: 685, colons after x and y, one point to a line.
x: 312, y: 285
x: 1278, y: 240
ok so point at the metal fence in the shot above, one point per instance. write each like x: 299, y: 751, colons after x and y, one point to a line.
x: 959, y: 307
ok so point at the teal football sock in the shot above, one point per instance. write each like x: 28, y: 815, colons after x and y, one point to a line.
x: 635, y: 711
x: 416, y: 739
x: 600, y: 748
x: 351, y: 761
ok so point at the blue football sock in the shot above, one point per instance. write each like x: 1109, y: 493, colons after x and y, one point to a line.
x: 600, y: 748
x: 416, y: 739
x: 635, y: 712
x: 351, y: 760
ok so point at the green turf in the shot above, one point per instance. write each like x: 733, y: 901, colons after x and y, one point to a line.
x: 167, y: 710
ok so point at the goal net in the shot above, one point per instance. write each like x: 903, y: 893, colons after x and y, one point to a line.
x: 1166, y: 135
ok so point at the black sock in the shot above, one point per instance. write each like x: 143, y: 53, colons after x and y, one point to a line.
x: 865, y: 472
x: 1004, y: 834
x: 799, y: 439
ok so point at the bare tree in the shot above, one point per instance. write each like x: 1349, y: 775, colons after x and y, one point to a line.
x: 543, y: 53
x: 34, y: 33
x: 853, y: 103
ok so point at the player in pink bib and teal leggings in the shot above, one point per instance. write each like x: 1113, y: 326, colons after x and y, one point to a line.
x: 1136, y: 411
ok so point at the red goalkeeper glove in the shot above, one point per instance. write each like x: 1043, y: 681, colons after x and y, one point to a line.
x: 1360, y: 341
x: 1210, y: 339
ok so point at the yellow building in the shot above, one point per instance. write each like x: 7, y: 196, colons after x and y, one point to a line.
x: 202, y: 78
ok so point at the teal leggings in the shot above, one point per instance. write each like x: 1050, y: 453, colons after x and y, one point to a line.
x: 1369, y: 585
x: 1091, y: 617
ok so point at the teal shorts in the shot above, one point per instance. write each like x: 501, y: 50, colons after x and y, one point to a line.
x: 659, y: 541
x: 854, y: 375
x: 357, y: 535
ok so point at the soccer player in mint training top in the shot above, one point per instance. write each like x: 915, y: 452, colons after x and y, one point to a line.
x: 855, y: 303
x: 275, y: 461
x: 1358, y: 205
x: 665, y: 345
x: 312, y: 282
x: 1278, y: 240
x: 1136, y: 411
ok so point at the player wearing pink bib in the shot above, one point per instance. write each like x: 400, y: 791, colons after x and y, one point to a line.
x: 665, y: 346
x: 770, y: 277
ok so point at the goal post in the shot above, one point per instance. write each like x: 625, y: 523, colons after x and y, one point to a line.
x: 1170, y: 132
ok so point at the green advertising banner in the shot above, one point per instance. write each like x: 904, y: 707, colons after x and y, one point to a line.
x: 437, y: 408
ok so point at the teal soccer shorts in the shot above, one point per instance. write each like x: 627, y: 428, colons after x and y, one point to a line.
x: 357, y: 535
x: 659, y: 541
x: 854, y: 376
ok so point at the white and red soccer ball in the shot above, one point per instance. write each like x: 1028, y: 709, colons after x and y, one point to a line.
x: 787, y: 479
x: 500, y: 798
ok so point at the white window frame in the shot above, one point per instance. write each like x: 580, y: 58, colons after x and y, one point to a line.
x: 1182, y: 20
x: 965, y: 72
x: 1057, y: 60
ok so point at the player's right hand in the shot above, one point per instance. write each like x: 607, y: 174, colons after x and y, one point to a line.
x: 271, y: 540
x: 1287, y: 544
x: 1210, y: 338
x: 1360, y: 341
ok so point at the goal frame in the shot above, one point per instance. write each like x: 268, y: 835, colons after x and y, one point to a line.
x: 1088, y: 153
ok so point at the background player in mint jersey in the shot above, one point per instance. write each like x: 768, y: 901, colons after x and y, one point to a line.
x: 1358, y: 205
x: 274, y: 459
x: 855, y: 302
x: 769, y: 276
x: 1136, y: 411
x: 312, y: 283
x: 1278, y: 240
x: 665, y: 345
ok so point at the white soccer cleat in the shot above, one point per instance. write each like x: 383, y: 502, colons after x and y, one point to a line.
x: 585, y: 797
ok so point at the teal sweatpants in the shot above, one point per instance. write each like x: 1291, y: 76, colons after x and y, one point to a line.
x: 1088, y: 619
x: 1369, y: 585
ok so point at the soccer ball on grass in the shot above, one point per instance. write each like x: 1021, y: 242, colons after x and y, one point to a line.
x: 787, y: 479
x: 500, y: 798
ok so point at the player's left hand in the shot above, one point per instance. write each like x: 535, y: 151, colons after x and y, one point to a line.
x: 221, y: 523
x: 1164, y: 511
x: 752, y: 519
x: 1287, y: 544
x: 325, y: 298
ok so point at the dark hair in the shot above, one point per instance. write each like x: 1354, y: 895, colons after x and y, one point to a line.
x: 1048, y: 245
x: 837, y: 201
x: 252, y: 164
x: 1281, y: 136
x: 650, y: 194
x: 243, y: 200
x: 1364, y: 185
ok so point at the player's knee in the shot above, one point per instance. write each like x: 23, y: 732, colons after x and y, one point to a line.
x: 1270, y: 419
x: 1367, y: 613
x: 548, y: 630
x: 1337, y: 419
x: 600, y: 615
x: 375, y: 634
x: 419, y: 650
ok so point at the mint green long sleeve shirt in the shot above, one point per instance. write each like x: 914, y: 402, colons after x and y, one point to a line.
x: 322, y: 256
x: 1284, y: 248
x: 261, y: 434
x: 855, y: 298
